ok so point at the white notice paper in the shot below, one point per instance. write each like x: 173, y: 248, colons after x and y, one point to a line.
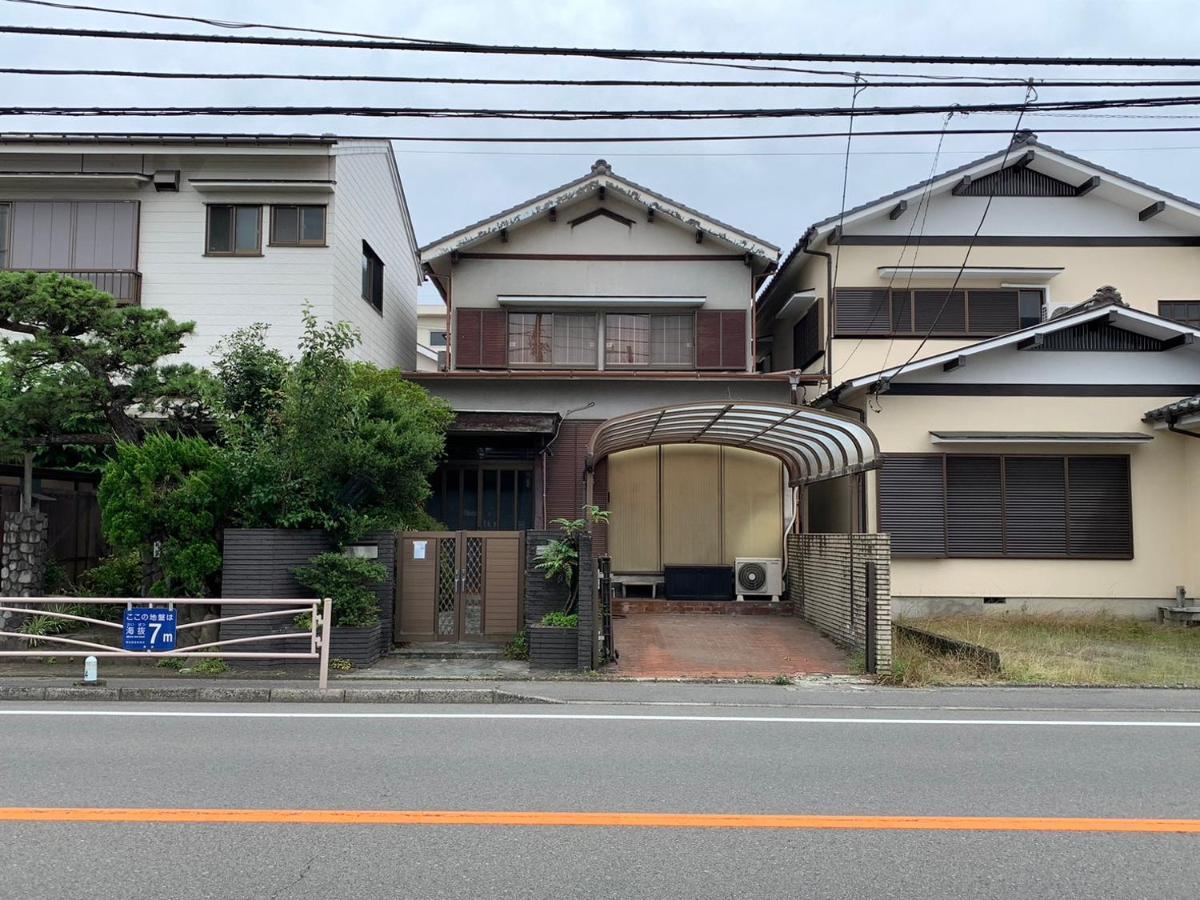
x: 419, y: 549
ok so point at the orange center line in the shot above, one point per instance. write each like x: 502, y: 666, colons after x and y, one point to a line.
x: 535, y: 819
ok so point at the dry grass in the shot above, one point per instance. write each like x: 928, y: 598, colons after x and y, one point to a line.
x: 1056, y: 649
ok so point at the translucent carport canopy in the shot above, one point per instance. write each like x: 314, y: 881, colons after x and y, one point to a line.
x: 813, y: 445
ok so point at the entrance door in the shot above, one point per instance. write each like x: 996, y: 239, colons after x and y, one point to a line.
x: 459, y: 585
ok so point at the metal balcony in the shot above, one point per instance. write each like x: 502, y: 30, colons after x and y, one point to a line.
x: 124, y: 285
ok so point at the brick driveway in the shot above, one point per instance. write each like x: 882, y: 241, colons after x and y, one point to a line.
x: 657, y: 645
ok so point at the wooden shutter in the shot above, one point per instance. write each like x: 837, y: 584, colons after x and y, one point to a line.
x: 733, y: 339
x: 494, y: 340
x: 862, y: 311
x: 912, y: 505
x: 565, y: 487
x: 708, y: 339
x: 902, y: 312
x: 993, y: 312
x: 1101, y: 517
x: 940, y: 312
x: 1035, y: 505
x: 974, y: 516
x: 468, y: 338
x: 720, y: 339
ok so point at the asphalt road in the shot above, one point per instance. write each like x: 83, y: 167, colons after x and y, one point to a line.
x: 1105, y: 759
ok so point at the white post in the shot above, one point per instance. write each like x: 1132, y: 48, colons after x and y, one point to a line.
x: 326, y: 615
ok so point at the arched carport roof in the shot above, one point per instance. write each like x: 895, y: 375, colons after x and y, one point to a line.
x: 813, y: 445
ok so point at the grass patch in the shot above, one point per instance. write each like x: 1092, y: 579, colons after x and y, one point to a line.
x: 1055, y: 649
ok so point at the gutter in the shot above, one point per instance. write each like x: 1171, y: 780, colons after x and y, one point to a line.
x: 1171, y: 426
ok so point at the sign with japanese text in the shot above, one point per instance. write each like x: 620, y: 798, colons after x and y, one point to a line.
x: 149, y: 629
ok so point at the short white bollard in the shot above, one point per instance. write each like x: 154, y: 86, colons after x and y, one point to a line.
x: 91, y: 671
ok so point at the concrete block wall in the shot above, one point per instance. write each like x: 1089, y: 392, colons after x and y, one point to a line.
x: 827, y: 582
x: 543, y: 596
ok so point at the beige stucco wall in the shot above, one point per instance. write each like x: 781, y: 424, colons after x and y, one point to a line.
x: 1143, y: 275
x: 1166, y: 496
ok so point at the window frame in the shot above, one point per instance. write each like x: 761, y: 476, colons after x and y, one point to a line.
x: 234, y: 251
x: 1005, y: 553
x: 650, y: 315
x: 433, y: 343
x: 372, y: 263
x: 596, y: 318
x: 1163, y: 305
x: 273, y: 241
x: 913, y: 332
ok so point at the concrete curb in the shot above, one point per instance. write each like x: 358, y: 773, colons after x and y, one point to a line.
x: 269, y: 695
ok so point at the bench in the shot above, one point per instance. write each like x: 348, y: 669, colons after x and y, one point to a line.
x: 650, y: 581
x: 1179, y: 615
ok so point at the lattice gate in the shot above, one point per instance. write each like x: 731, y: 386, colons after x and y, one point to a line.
x: 459, y: 585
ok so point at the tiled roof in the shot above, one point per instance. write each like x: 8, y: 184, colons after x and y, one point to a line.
x: 1173, y: 411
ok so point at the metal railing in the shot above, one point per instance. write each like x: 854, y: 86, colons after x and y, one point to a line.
x: 125, y: 285
x: 318, y: 611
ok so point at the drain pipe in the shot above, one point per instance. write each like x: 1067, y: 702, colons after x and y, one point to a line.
x: 550, y: 443
x: 1172, y: 427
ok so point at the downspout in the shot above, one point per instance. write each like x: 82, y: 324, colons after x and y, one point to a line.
x: 828, y: 302
x: 1171, y: 427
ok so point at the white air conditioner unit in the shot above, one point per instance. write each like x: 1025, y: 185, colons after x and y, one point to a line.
x: 752, y: 575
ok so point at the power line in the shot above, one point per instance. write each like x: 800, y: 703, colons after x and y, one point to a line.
x: 579, y: 115
x: 418, y: 45
x: 958, y: 83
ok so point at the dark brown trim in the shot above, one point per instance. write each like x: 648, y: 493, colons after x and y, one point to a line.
x: 324, y: 242
x: 997, y: 240
x: 606, y: 213
x: 1088, y: 186
x: 1043, y: 390
x: 898, y: 210
x: 208, y: 208
x: 1152, y: 210
x: 612, y: 257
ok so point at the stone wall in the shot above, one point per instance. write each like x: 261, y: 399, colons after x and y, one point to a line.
x: 827, y: 583
x: 23, y: 558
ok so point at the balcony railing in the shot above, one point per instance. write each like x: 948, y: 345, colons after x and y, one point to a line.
x: 125, y: 285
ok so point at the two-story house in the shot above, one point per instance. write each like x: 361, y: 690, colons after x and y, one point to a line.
x: 1024, y: 414
x: 222, y: 231
x: 600, y: 340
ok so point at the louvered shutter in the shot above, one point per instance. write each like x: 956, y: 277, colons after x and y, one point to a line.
x: 862, y: 311
x: 806, y: 339
x: 468, y: 338
x: 565, y: 487
x: 993, y: 312
x: 912, y: 505
x: 940, y: 312
x: 1101, y: 517
x: 902, y: 312
x: 1035, y: 506
x: 974, y: 518
x: 493, y: 352
x: 733, y: 339
x: 708, y: 339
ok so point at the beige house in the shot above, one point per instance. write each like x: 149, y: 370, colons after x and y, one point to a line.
x: 1030, y: 424
x: 431, y: 336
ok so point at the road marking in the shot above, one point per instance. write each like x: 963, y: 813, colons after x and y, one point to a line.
x: 592, y: 820
x: 593, y: 717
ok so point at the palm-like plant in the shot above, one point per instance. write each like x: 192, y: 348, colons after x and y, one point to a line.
x: 559, y: 559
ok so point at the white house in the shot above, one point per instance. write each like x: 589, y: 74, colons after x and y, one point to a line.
x: 224, y: 231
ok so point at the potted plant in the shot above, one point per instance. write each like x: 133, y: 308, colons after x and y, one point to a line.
x: 554, y: 641
x: 350, y: 583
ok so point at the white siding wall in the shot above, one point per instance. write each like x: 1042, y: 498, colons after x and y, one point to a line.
x: 367, y: 207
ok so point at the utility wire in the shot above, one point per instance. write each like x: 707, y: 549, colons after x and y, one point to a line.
x: 961, y: 83
x: 578, y: 115
x: 409, y: 44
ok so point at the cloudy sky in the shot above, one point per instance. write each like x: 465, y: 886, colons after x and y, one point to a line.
x: 772, y: 188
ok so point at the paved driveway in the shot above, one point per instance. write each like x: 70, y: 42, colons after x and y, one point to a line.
x: 656, y: 645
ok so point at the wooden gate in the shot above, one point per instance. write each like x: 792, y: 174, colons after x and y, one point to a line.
x: 459, y: 585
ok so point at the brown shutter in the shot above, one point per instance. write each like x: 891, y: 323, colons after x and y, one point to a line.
x: 494, y: 352
x: 1100, y: 516
x: 708, y: 339
x: 468, y: 337
x: 940, y: 312
x: 861, y: 311
x: 733, y: 339
x: 565, y: 487
x: 912, y: 505
x: 974, y: 518
x: 1035, y: 506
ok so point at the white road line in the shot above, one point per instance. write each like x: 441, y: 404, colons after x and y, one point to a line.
x: 584, y: 717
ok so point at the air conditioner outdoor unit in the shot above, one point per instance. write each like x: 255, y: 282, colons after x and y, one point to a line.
x: 753, y: 575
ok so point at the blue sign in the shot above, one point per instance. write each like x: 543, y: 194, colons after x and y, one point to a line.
x: 149, y: 629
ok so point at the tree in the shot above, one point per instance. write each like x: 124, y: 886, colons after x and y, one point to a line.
x: 85, y: 370
x: 328, y: 443
x: 167, y: 499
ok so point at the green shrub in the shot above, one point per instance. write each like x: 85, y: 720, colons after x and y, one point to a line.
x: 350, y: 582
x: 560, y: 620
x: 340, y: 665
x: 172, y: 662
x: 115, y: 576
x: 517, y: 648
x: 210, y: 666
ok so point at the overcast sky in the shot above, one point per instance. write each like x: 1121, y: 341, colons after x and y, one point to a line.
x: 774, y: 189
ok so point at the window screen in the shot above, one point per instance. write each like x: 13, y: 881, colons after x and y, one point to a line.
x: 298, y: 225
x: 553, y: 339
x: 234, y: 230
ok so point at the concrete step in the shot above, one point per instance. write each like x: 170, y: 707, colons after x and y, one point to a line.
x: 446, y: 650
x: 703, y: 607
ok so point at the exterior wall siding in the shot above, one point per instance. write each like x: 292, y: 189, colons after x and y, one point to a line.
x: 827, y: 583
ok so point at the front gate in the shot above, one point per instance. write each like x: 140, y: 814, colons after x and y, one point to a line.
x: 459, y: 585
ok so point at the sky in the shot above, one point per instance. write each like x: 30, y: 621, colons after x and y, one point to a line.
x: 774, y: 189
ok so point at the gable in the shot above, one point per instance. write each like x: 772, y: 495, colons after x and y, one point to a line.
x: 1099, y: 336
x: 1016, y: 181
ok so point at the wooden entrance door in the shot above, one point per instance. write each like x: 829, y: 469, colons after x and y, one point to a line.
x: 459, y: 585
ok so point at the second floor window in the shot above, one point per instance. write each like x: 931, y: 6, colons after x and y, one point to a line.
x: 1185, y: 312
x: 372, y: 277
x: 234, y: 231
x: 553, y: 339
x: 298, y: 226
x: 880, y: 312
x: 437, y: 339
x: 649, y: 339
